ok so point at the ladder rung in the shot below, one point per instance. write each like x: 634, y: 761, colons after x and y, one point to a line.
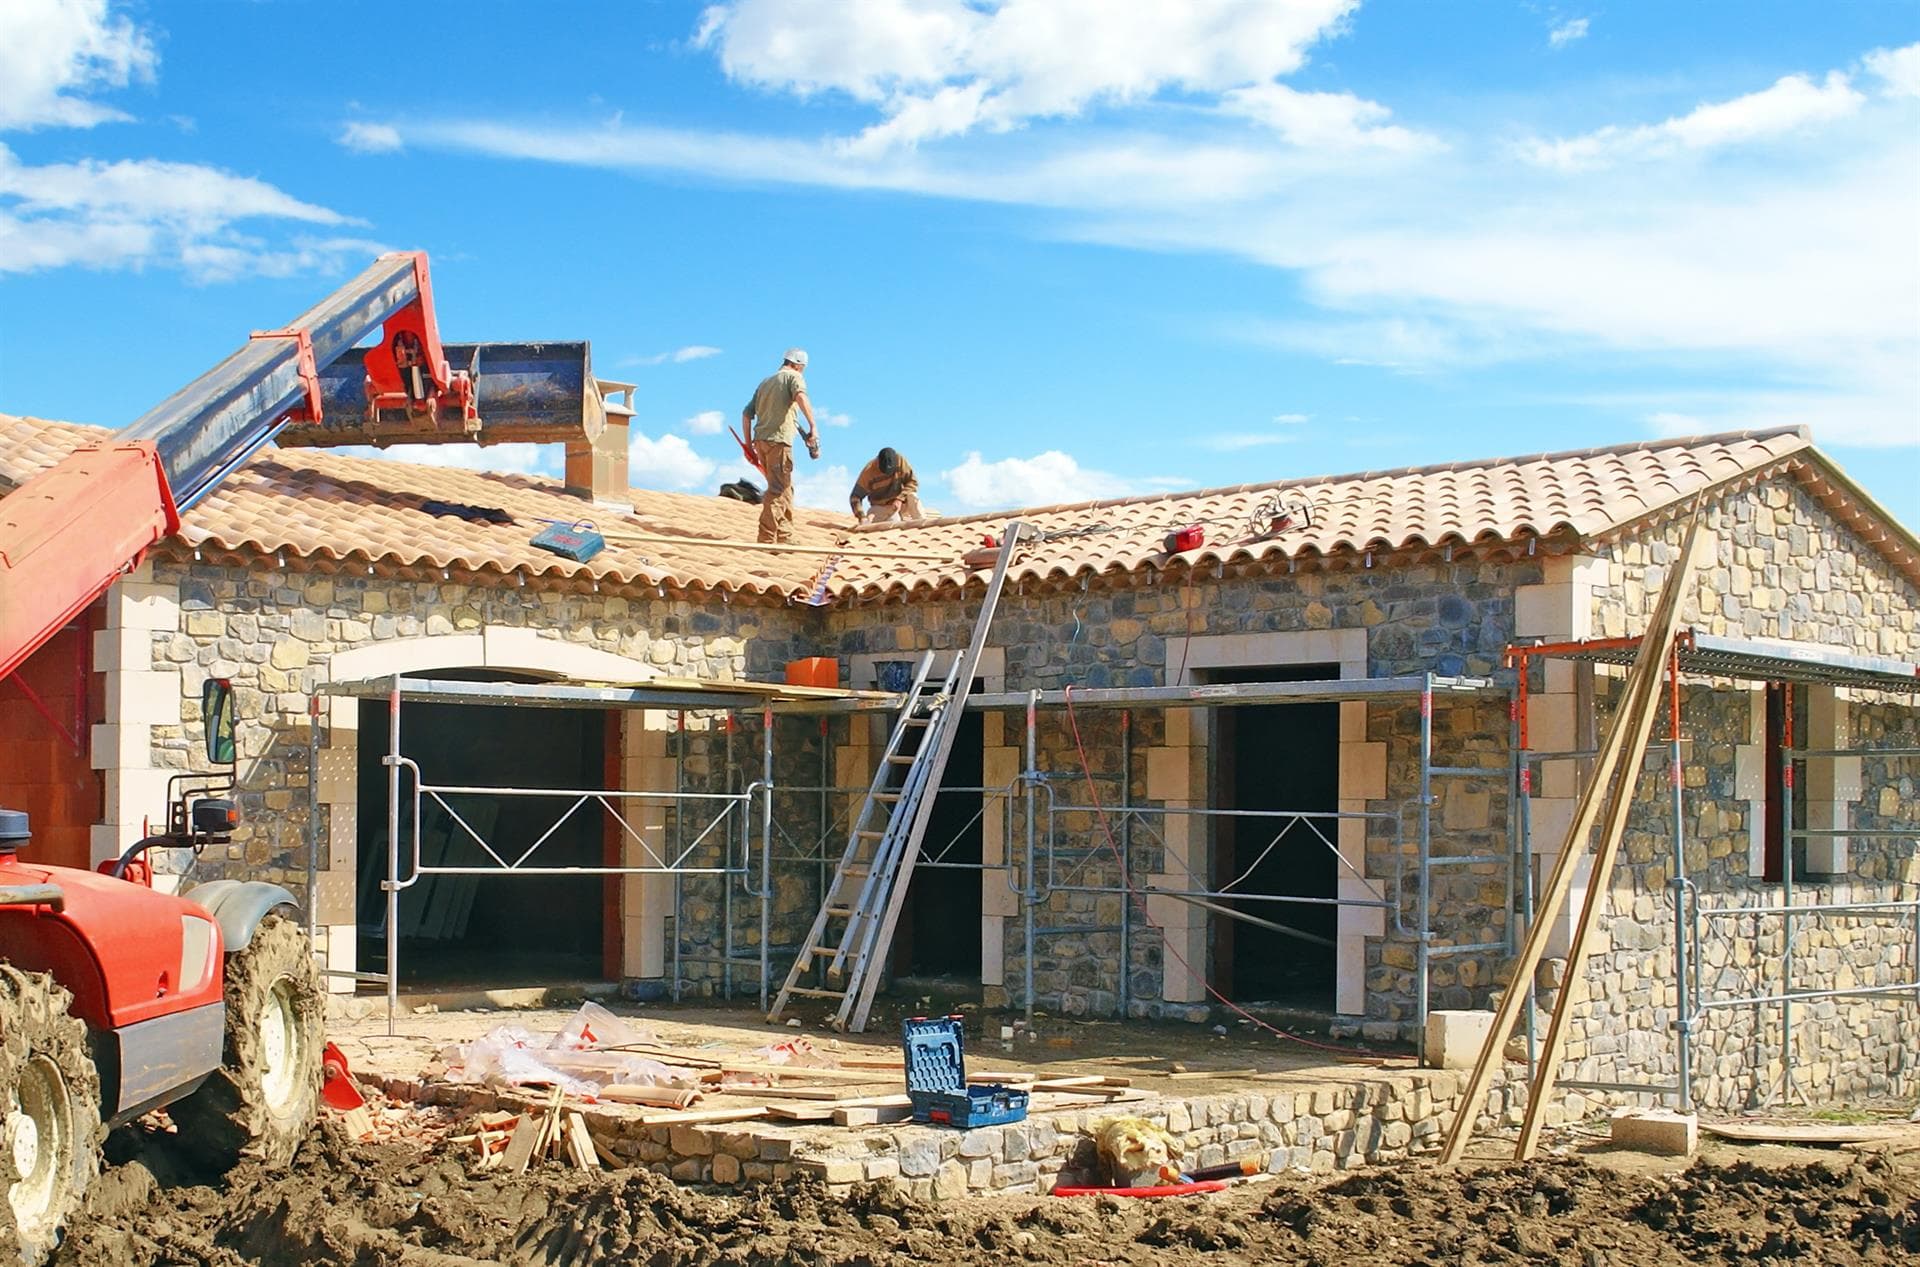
x: 812, y: 993
x: 870, y: 834
x: 902, y: 759
x: 844, y: 912
x: 856, y: 871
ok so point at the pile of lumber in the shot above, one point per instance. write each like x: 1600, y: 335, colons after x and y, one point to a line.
x: 515, y: 1141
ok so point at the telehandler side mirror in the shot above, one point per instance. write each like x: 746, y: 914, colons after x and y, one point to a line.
x: 216, y: 709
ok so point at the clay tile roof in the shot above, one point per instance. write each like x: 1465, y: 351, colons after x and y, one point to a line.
x: 348, y: 511
x: 1579, y: 494
x: 331, y: 507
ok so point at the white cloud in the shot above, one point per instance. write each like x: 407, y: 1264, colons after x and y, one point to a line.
x: 1568, y: 32
x: 511, y: 459
x: 1897, y: 68
x: 371, y: 138
x: 945, y: 67
x: 1797, y: 275
x: 1323, y: 120
x: 1291, y: 419
x: 827, y: 418
x: 134, y: 212
x: 1791, y: 104
x: 53, y: 49
x: 1045, y: 479
x: 822, y: 487
x: 708, y: 422
x: 1667, y: 423
x: 126, y: 213
x: 668, y: 462
x: 679, y: 356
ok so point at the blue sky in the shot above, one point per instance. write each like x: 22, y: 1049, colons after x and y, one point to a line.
x: 1048, y: 248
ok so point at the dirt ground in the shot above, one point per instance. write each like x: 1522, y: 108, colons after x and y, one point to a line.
x: 392, y: 1206
x: 425, y: 1205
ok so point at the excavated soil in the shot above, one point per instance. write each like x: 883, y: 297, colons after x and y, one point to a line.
x: 396, y: 1207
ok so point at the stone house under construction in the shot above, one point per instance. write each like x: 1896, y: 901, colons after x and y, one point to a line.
x: 1336, y: 646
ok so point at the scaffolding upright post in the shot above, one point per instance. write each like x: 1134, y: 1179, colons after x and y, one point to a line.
x: 679, y: 833
x: 1423, y: 947
x: 1683, y: 1005
x: 1031, y: 887
x: 393, y: 853
x: 766, y: 849
x: 1126, y: 858
x: 1786, y: 894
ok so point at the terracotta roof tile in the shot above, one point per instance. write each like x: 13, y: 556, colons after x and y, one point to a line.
x: 1582, y: 493
x: 329, y: 506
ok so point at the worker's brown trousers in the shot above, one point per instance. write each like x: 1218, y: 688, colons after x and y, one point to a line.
x: 776, y: 508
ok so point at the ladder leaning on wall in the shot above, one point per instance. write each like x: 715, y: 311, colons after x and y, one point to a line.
x: 854, y: 928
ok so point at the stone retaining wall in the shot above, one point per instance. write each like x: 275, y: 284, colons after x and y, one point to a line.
x: 1302, y: 1123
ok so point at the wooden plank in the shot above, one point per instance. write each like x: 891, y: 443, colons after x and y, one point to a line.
x: 783, y: 1093
x: 1642, y: 693
x: 666, y: 1097
x: 520, y: 1148
x: 801, y: 1112
x: 581, y: 1143
x: 1189, y: 1075
x: 1552, y: 897
x: 1799, y: 1132
x: 799, y: 1071
x: 872, y: 1115
x: 696, y: 1117
x: 873, y: 1062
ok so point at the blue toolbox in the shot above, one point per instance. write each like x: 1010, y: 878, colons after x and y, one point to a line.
x: 937, y: 1078
x: 578, y: 542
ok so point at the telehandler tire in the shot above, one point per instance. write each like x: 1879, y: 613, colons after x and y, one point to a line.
x: 50, y: 1093
x: 262, y: 1101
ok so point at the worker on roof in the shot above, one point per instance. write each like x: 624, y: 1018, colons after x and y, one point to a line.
x: 770, y: 413
x: 890, y: 486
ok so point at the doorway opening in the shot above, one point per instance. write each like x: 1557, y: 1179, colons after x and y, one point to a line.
x: 486, y: 929
x: 1284, y: 758
x: 939, y: 931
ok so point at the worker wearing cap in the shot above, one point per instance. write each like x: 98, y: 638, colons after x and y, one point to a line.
x: 889, y: 485
x: 770, y: 414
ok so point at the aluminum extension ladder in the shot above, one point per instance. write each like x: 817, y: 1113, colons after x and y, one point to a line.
x: 854, y: 928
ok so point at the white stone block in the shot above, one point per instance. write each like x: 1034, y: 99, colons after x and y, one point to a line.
x: 1658, y: 1131
x: 124, y: 747
x: 993, y: 950
x: 135, y: 604
x: 152, y: 697
x: 1456, y: 1039
x: 1359, y: 921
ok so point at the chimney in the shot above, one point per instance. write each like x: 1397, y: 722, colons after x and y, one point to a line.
x: 597, y: 466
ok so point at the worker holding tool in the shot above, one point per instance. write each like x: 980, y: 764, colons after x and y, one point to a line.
x: 770, y: 414
x: 889, y: 485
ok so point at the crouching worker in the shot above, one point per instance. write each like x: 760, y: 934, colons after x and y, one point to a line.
x: 888, y: 484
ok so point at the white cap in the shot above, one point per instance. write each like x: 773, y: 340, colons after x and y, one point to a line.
x: 798, y: 356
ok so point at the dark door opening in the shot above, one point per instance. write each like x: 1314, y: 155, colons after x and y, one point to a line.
x: 939, y: 930
x: 486, y: 929
x: 1277, y: 757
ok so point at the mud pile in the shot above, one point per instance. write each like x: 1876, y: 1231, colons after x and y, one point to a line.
x: 346, y: 1204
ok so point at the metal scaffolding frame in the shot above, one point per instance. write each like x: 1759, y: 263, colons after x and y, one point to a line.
x: 1711, y: 656
x: 748, y: 869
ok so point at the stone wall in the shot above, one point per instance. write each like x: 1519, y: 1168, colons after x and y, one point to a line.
x: 1777, y: 566
x: 279, y: 634
x: 1452, y: 619
x: 1303, y: 1123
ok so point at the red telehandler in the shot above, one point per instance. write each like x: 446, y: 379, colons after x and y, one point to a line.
x: 117, y: 998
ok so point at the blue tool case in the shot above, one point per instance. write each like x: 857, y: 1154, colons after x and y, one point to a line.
x: 937, y: 1078
x: 579, y: 542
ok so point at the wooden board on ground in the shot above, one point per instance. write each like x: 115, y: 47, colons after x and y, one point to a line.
x: 664, y: 1097
x: 1798, y: 1132
x: 789, y: 1093
x: 580, y: 1143
x: 800, y: 1071
x: 698, y: 1117
x: 872, y: 1115
x: 801, y: 1112
x: 1189, y: 1075
x: 526, y: 1134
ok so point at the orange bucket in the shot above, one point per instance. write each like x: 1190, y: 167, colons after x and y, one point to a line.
x: 819, y: 670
